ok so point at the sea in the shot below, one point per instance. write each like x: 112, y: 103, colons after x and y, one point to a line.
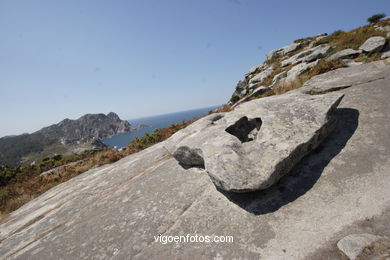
x: 154, y: 122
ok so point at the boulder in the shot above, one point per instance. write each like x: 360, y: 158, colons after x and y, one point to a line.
x: 189, y: 157
x: 292, y: 47
x: 257, y: 143
x: 346, y: 53
x: 259, y: 77
x: 317, y: 38
x: 373, y: 44
x: 350, y: 62
x: 279, y: 77
x: 346, y: 77
x: 299, y: 69
x: 308, y: 55
x: 259, y: 90
x: 352, y: 245
x: 385, y: 55
x: 253, y: 86
x: 318, y: 53
x: 241, y: 87
x: 254, y: 69
x: 254, y: 93
x: 320, y: 36
x: 283, y: 51
x: 385, y: 29
x: 295, y: 59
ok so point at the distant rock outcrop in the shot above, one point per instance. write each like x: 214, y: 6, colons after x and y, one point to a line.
x: 66, y: 136
x: 86, y: 128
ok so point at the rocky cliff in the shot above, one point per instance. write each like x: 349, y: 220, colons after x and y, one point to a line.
x: 86, y: 128
x: 301, y: 175
x: 64, y: 137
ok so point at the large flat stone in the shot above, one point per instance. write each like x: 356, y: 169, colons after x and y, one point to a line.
x: 283, y: 51
x: 299, y: 69
x: 373, y: 44
x: 259, y: 77
x: 252, y: 147
x: 346, y: 53
x: 279, y: 77
x: 308, y: 55
x: 346, y: 77
x: 319, y: 52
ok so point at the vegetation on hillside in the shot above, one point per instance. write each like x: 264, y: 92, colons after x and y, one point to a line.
x: 339, y: 40
x: 19, y: 185
x: 352, y: 39
x: 12, y: 149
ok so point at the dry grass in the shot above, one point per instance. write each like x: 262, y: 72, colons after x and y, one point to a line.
x: 325, y: 66
x: 287, y: 86
x: 269, y: 93
x: 277, y: 69
x: 367, y: 59
x: 322, y: 67
x: 224, y: 108
x: 352, y: 39
x: 379, y: 249
x: 340, y: 40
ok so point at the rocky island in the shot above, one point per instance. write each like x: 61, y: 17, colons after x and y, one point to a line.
x: 62, y: 138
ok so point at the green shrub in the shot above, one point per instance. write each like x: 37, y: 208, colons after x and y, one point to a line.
x: 234, y: 98
x: 57, y: 157
x: 376, y: 18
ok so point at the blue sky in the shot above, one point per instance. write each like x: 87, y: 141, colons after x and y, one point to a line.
x: 63, y: 59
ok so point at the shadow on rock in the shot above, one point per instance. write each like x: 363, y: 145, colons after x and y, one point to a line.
x: 303, y: 176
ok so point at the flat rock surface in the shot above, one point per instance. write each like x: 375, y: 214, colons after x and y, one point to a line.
x: 114, y: 212
x: 347, y: 77
x: 346, y: 53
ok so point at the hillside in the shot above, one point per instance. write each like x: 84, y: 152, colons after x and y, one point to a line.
x: 291, y: 66
x: 61, y: 138
x: 296, y: 167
